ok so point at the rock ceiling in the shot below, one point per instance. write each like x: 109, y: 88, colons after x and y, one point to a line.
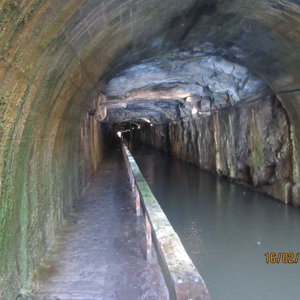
x: 176, y: 86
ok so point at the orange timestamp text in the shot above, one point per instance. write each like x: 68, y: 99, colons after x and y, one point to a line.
x: 282, y: 257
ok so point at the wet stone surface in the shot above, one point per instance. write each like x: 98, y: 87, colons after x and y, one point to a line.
x: 100, y: 252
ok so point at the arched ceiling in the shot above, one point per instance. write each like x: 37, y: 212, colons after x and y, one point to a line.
x: 54, y: 55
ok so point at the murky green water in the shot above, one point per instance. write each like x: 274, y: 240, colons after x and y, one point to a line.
x: 227, y: 229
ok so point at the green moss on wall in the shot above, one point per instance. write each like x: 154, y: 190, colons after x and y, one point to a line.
x: 53, y: 56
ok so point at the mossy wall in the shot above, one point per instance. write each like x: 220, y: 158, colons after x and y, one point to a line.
x: 44, y: 173
x: 54, y: 56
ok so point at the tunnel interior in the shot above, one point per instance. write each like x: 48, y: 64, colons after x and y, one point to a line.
x: 207, y: 110
x: 215, y: 83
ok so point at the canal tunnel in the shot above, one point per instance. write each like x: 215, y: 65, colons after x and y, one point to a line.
x: 213, y: 83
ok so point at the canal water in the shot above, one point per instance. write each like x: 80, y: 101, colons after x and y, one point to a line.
x: 227, y: 229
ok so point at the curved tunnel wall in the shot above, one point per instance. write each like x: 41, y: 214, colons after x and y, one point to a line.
x: 54, y: 55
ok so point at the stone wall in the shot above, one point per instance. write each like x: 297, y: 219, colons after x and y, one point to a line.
x: 44, y: 174
x: 250, y: 143
x: 54, y: 56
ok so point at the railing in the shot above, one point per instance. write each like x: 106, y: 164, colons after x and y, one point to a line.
x: 183, y: 280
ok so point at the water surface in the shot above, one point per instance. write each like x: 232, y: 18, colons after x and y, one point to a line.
x: 226, y: 229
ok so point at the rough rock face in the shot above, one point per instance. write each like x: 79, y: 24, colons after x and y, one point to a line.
x: 209, y: 111
x: 249, y: 143
x: 176, y: 86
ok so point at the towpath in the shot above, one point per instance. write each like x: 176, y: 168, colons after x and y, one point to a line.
x: 99, y: 254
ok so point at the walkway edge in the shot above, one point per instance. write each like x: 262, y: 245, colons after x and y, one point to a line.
x: 182, y: 277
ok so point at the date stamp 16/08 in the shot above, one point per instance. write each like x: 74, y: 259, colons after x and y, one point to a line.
x: 282, y: 257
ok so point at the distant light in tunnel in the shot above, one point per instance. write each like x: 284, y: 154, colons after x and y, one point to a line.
x: 194, y: 110
x: 119, y: 134
x: 151, y: 125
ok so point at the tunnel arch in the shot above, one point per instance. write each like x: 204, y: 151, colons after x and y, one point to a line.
x: 54, y: 55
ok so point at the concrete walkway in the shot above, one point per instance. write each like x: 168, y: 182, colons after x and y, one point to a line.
x: 100, y: 253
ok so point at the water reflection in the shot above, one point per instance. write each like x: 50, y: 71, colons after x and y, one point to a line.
x: 226, y: 229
